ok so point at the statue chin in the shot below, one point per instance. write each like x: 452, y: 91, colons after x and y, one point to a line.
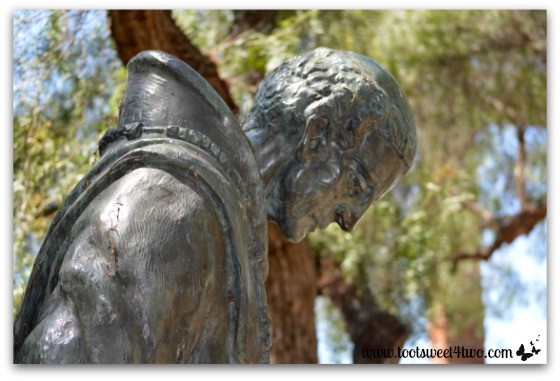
x: 295, y: 237
x: 295, y: 232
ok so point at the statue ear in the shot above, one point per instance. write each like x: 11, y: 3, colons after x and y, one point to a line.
x: 314, y: 139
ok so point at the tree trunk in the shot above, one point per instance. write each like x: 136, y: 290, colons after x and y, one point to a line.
x: 468, y: 339
x: 291, y: 291
x: 437, y: 331
x: 371, y: 329
x: 459, y: 323
x: 138, y: 30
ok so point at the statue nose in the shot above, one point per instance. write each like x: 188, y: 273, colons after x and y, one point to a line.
x: 346, y: 220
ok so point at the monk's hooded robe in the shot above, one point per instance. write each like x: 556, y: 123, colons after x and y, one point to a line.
x: 159, y: 254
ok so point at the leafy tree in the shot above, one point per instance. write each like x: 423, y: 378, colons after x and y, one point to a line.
x: 476, y: 81
x: 65, y: 75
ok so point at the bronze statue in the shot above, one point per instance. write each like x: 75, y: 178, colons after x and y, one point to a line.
x: 159, y: 254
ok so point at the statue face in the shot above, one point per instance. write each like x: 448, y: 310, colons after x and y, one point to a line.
x: 337, y: 189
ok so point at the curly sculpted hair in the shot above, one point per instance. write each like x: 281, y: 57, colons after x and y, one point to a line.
x: 344, y: 89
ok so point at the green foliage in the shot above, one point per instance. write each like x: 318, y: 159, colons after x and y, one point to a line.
x: 470, y: 76
x: 64, y: 74
x: 205, y: 28
x: 404, y: 245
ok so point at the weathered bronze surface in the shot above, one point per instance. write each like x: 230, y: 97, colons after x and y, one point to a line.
x: 159, y: 254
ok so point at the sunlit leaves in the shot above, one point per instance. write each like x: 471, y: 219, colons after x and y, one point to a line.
x: 64, y: 74
x: 470, y: 76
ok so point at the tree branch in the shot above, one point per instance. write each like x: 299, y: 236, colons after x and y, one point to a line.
x: 510, y: 228
x: 489, y: 221
x: 519, y: 171
x: 503, y: 108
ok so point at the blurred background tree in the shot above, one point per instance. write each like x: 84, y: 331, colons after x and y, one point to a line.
x: 67, y: 81
x: 476, y: 81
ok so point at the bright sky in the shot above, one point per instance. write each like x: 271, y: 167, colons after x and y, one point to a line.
x: 526, y: 319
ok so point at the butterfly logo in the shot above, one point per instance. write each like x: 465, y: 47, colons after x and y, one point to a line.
x: 525, y: 355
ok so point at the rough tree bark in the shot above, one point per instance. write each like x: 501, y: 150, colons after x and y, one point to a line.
x: 291, y: 291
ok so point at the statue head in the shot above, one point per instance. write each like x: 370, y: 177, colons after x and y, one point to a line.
x: 332, y: 133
